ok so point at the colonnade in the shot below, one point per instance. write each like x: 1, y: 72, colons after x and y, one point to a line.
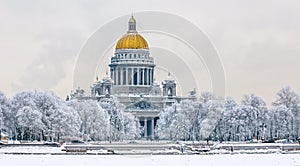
x: 132, y: 75
x: 149, y: 126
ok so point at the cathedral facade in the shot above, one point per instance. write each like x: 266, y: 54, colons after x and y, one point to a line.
x: 131, y: 81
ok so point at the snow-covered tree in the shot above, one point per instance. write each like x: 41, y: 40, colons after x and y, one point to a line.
x: 95, y: 122
x: 131, y: 127
x: 210, y: 122
x: 63, y: 122
x: 281, y: 122
x: 40, y: 115
x: 166, y: 118
x: 19, y: 101
x: 60, y: 120
x: 244, y: 117
x: 230, y: 104
x: 242, y: 122
x: 115, y: 112
x: 29, y: 122
x: 72, y: 122
x: 190, y: 114
x: 57, y: 118
x: 188, y: 120
x: 5, y: 114
x: 225, y: 129
x: 207, y: 96
x: 181, y: 126
x: 288, y: 98
x: 257, y: 114
x: 123, y: 124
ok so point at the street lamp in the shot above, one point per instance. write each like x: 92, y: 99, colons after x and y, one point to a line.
x: 263, y: 126
x: 293, y: 128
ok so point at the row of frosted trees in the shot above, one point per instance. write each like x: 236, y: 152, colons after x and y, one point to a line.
x: 32, y: 115
x: 225, y: 120
x: 43, y: 116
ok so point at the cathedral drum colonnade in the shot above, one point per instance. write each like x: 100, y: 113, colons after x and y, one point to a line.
x: 132, y: 64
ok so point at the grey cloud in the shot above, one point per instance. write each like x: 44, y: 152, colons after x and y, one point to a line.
x: 251, y: 36
x: 59, y: 47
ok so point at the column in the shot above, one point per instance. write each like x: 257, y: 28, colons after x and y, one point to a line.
x: 121, y: 79
x: 112, y: 74
x: 151, y: 78
x: 117, y: 76
x: 143, y: 76
x: 149, y: 82
x: 146, y: 78
x: 145, y: 127
x: 132, y: 76
x: 138, y: 76
x: 126, y: 74
x: 152, y: 128
x: 152, y: 75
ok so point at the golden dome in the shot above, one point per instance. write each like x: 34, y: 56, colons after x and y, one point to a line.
x: 132, y: 41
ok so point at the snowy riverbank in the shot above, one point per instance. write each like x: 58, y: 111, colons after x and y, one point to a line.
x: 151, y: 160
x: 152, y: 148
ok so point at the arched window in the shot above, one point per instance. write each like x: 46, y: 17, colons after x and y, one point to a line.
x: 170, y: 91
x: 107, y: 91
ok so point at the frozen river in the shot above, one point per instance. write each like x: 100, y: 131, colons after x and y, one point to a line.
x: 152, y: 160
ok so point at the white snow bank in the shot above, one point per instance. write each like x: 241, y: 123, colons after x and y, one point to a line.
x: 153, y: 160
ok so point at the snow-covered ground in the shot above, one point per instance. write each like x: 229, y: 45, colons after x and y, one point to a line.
x: 154, y: 148
x: 151, y: 160
x: 30, y: 150
x: 44, y: 155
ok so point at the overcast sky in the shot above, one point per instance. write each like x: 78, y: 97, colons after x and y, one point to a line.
x: 257, y: 41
